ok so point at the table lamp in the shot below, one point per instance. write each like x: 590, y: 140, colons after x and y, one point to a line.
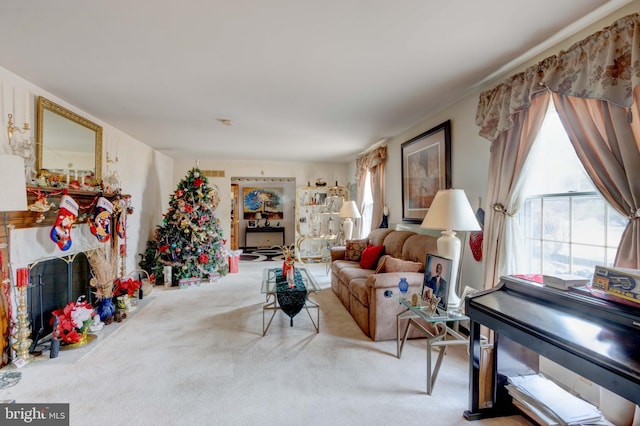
x: 450, y: 211
x: 348, y: 211
x: 258, y: 219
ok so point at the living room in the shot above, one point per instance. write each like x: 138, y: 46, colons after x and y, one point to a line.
x: 150, y: 177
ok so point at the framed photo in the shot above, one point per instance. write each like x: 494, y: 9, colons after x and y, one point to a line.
x: 252, y: 223
x: 437, y: 277
x: 426, y: 168
x: 467, y: 292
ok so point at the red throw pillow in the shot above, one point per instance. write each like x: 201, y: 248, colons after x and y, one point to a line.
x: 370, y: 256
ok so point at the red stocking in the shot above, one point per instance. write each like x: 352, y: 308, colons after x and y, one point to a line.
x: 61, y: 231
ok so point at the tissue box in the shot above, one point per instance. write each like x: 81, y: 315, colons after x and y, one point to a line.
x: 617, y: 284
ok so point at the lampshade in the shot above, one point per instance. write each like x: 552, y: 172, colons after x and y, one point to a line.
x: 349, y: 209
x: 258, y: 216
x: 13, y: 189
x: 450, y: 210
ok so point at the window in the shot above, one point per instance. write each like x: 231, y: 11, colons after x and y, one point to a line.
x: 366, y: 210
x: 567, y: 226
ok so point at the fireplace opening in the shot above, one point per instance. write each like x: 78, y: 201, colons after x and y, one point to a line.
x: 54, y: 283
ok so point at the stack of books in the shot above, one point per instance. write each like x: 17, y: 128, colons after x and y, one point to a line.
x: 564, y: 281
x: 547, y: 403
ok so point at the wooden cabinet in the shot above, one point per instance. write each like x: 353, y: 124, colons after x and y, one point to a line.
x: 318, y: 226
x: 264, y: 237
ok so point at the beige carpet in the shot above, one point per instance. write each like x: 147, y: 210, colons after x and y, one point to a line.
x: 197, y: 357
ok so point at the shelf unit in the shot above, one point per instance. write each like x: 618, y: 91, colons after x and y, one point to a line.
x: 318, y: 226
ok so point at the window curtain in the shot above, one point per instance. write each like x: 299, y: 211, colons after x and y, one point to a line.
x: 606, y: 67
x: 507, y: 167
x: 373, y: 161
x: 606, y: 138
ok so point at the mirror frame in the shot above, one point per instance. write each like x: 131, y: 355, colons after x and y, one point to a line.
x: 46, y: 104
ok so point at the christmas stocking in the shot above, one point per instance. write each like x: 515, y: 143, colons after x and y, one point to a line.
x: 100, y: 221
x: 61, y: 231
x: 121, y: 224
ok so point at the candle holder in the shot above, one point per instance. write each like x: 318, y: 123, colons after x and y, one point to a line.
x: 23, y: 329
x: 11, y: 128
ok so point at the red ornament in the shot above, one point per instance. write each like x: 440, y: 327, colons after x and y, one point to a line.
x: 203, y: 258
x: 198, y: 181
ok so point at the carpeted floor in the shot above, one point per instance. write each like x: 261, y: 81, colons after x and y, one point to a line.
x: 197, y: 356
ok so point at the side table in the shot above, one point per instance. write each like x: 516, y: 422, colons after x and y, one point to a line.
x: 439, y: 339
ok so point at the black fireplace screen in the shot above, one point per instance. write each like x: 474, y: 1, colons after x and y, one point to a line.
x: 53, y: 284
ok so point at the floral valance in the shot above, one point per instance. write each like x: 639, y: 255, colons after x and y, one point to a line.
x: 371, y: 159
x: 605, y: 65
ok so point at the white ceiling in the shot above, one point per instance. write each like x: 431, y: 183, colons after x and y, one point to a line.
x: 302, y: 80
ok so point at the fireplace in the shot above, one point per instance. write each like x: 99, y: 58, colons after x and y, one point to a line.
x: 56, y: 277
x: 54, y: 283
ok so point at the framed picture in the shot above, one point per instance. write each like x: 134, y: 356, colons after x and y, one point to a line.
x: 437, y: 277
x: 252, y: 223
x: 266, y: 201
x: 426, y: 168
x: 467, y: 292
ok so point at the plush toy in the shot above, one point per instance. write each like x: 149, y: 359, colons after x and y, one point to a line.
x: 61, y: 231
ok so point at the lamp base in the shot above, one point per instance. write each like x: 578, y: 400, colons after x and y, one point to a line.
x: 348, y: 228
x: 449, y: 246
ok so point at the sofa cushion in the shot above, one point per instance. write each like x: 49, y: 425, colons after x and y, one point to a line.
x: 370, y: 256
x: 391, y: 264
x: 394, y: 242
x: 417, y: 247
x: 348, y: 274
x: 377, y: 236
x: 354, y: 249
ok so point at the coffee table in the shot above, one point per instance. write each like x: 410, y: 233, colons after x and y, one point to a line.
x: 276, y: 300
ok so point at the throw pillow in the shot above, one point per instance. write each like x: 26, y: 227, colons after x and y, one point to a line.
x: 370, y: 256
x: 354, y: 249
x: 380, y: 267
x: 391, y: 264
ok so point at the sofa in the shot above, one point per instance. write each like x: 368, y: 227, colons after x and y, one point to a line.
x: 368, y: 293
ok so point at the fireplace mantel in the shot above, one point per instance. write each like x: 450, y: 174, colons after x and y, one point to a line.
x: 27, y: 219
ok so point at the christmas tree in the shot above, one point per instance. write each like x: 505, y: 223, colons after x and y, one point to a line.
x: 190, y: 239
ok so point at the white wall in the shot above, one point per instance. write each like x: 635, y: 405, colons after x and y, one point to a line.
x: 145, y: 174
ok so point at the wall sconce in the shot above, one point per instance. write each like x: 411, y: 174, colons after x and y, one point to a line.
x: 11, y: 128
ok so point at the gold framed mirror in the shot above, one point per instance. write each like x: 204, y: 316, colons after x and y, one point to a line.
x: 66, y: 141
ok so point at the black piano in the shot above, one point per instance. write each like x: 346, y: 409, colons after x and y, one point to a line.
x: 597, y: 339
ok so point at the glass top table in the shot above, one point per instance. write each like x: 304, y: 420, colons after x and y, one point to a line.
x: 439, y: 334
x: 289, y: 300
x: 269, y: 280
